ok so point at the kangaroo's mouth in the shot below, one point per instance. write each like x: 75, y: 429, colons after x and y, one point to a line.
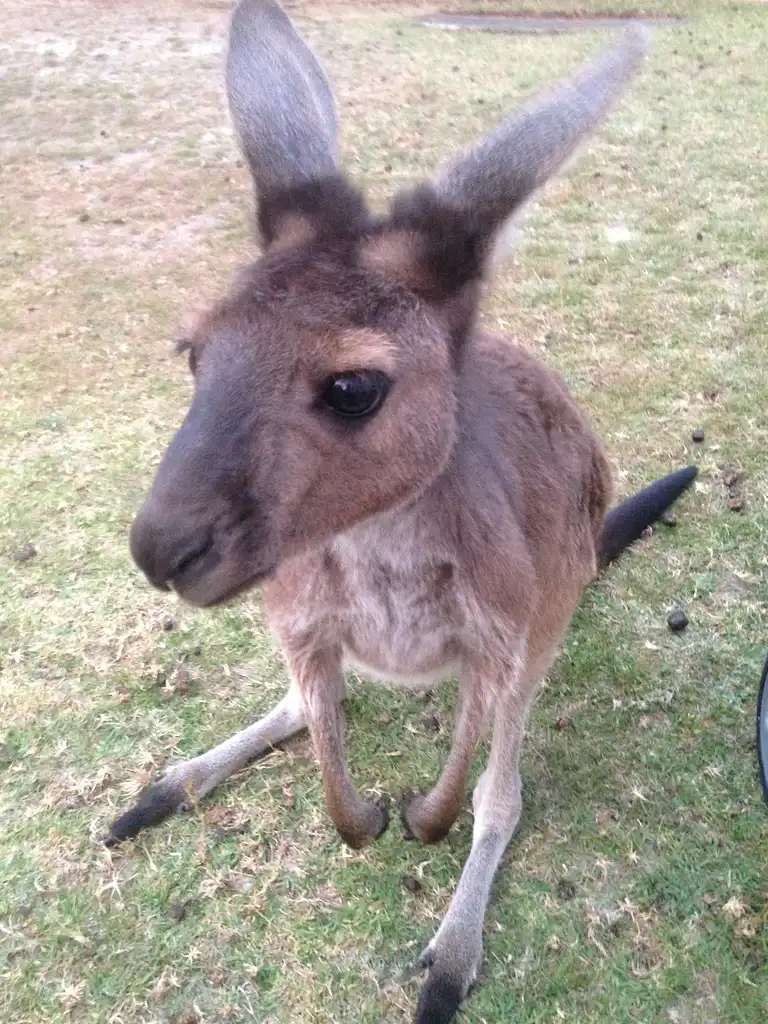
x: 206, y: 563
x: 202, y: 593
x: 193, y: 568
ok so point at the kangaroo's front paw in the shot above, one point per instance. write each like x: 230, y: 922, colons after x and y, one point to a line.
x: 419, y: 821
x: 369, y: 822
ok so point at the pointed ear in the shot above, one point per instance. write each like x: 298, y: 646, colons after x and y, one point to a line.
x: 285, y: 118
x: 443, y: 235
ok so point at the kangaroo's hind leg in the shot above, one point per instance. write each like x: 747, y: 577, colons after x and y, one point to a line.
x: 194, y: 778
x: 455, y: 953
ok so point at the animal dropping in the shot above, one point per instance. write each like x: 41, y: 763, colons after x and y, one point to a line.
x: 25, y: 554
x: 677, y: 620
x: 419, y: 499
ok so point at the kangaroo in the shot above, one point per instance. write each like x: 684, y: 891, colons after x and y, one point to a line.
x: 418, y: 498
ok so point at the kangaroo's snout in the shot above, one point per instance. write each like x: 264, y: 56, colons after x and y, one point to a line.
x: 168, y: 550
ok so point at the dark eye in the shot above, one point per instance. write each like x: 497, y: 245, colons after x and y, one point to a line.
x: 355, y: 393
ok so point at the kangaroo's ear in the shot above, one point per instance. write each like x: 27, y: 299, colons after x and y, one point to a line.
x: 445, y: 234
x: 285, y: 119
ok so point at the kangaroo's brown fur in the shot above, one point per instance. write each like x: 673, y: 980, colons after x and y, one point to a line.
x: 450, y: 531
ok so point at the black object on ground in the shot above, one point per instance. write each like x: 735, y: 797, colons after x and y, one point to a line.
x: 677, y: 620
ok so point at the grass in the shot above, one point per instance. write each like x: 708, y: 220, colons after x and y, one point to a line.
x: 636, y: 887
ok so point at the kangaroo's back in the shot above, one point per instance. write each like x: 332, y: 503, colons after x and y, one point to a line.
x: 523, y: 427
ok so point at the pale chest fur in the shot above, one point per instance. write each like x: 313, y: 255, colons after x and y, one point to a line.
x: 387, y: 592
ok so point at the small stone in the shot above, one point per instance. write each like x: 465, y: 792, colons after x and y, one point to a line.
x: 699, y: 236
x: 647, y: 532
x: 731, y: 477
x: 411, y: 883
x: 25, y: 554
x: 736, y: 504
x: 698, y: 435
x: 169, y: 625
x: 677, y: 620
x: 197, y: 651
x: 669, y: 518
x: 178, y: 912
x: 84, y: 217
x: 430, y: 723
x: 24, y: 910
x: 123, y: 695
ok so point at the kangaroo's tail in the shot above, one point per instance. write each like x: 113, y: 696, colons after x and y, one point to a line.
x: 624, y: 524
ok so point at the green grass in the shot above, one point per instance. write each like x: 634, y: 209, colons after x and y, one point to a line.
x: 636, y: 888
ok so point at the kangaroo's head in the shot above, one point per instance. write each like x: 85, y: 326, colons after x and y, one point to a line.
x: 326, y: 382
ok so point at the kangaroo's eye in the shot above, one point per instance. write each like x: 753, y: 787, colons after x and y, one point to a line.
x: 355, y: 393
